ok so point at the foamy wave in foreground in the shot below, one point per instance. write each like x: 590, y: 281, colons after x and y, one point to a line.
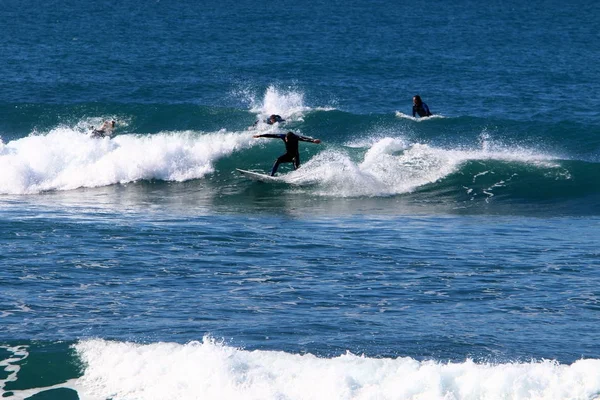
x: 66, y: 159
x: 208, y: 370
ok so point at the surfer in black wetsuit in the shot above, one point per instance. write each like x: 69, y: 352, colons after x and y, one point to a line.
x: 273, y: 119
x: 291, y: 148
x: 105, y: 130
x: 420, y: 108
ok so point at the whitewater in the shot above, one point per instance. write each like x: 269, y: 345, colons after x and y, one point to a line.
x: 372, y: 163
x: 450, y: 257
x: 208, y: 369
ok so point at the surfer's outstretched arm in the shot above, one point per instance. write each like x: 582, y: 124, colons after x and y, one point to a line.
x: 271, y: 135
x: 309, y: 139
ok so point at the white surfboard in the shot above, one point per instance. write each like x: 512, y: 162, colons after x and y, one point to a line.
x: 255, y: 176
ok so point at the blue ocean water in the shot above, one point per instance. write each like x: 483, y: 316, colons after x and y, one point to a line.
x: 450, y: 257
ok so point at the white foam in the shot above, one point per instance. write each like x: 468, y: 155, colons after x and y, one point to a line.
x: 209, y: 370
x: 400, y: 114
x: 391, y: 166
x: 65, y: 159
x: 10, y: 365
x: 288, y: 103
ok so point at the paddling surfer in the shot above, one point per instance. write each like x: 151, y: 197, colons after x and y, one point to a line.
x: 419, y: 107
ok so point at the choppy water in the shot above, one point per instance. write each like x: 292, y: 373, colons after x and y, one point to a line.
x: 451, y: 257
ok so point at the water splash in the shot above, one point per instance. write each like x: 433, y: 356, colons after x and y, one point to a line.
x: 65, y: 159
x: 212, y: 370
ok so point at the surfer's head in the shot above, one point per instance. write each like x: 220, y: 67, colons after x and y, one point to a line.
x: 289, y: 135
x: 417, y: 100
x: 273, y: 119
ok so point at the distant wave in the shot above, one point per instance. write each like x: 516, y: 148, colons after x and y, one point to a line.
x: 209, y: 370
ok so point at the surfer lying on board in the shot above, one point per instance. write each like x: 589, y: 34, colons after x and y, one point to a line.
x: 105, y: 130
x: 291, y: 148
x: 273, y: 119
x: 420, y: 108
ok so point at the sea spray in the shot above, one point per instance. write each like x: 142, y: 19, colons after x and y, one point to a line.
x: 64, y: 159
x: 212, y: 370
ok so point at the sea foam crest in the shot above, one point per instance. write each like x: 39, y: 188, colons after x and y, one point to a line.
x: 289, y: 104
x: 400, y: 114
x: 65, y: 159
x: 391, y: 166
x: 209, y: 370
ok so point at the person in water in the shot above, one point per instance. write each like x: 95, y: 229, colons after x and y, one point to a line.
x: 273, y: 119
x: 105, y: 130
x: 291, y: 148
x: 420, y: 108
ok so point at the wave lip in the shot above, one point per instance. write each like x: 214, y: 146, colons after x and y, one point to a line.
x: 287, y: 103
x: 393, y: 166
x: 64, y: 159
x: 400, y: 114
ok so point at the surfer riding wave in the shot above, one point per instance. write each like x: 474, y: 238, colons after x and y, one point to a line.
x: 291, y: 141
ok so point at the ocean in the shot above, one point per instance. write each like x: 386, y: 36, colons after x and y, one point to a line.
x: 449, y: 257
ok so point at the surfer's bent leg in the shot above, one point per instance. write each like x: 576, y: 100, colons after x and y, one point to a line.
x: 282, y: 159
x: 275, y: 166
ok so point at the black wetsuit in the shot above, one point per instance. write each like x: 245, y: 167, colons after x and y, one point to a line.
x: 99, y: 133
x: 291, y: 148
x: 276, y: 118
x: 422, y: 110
